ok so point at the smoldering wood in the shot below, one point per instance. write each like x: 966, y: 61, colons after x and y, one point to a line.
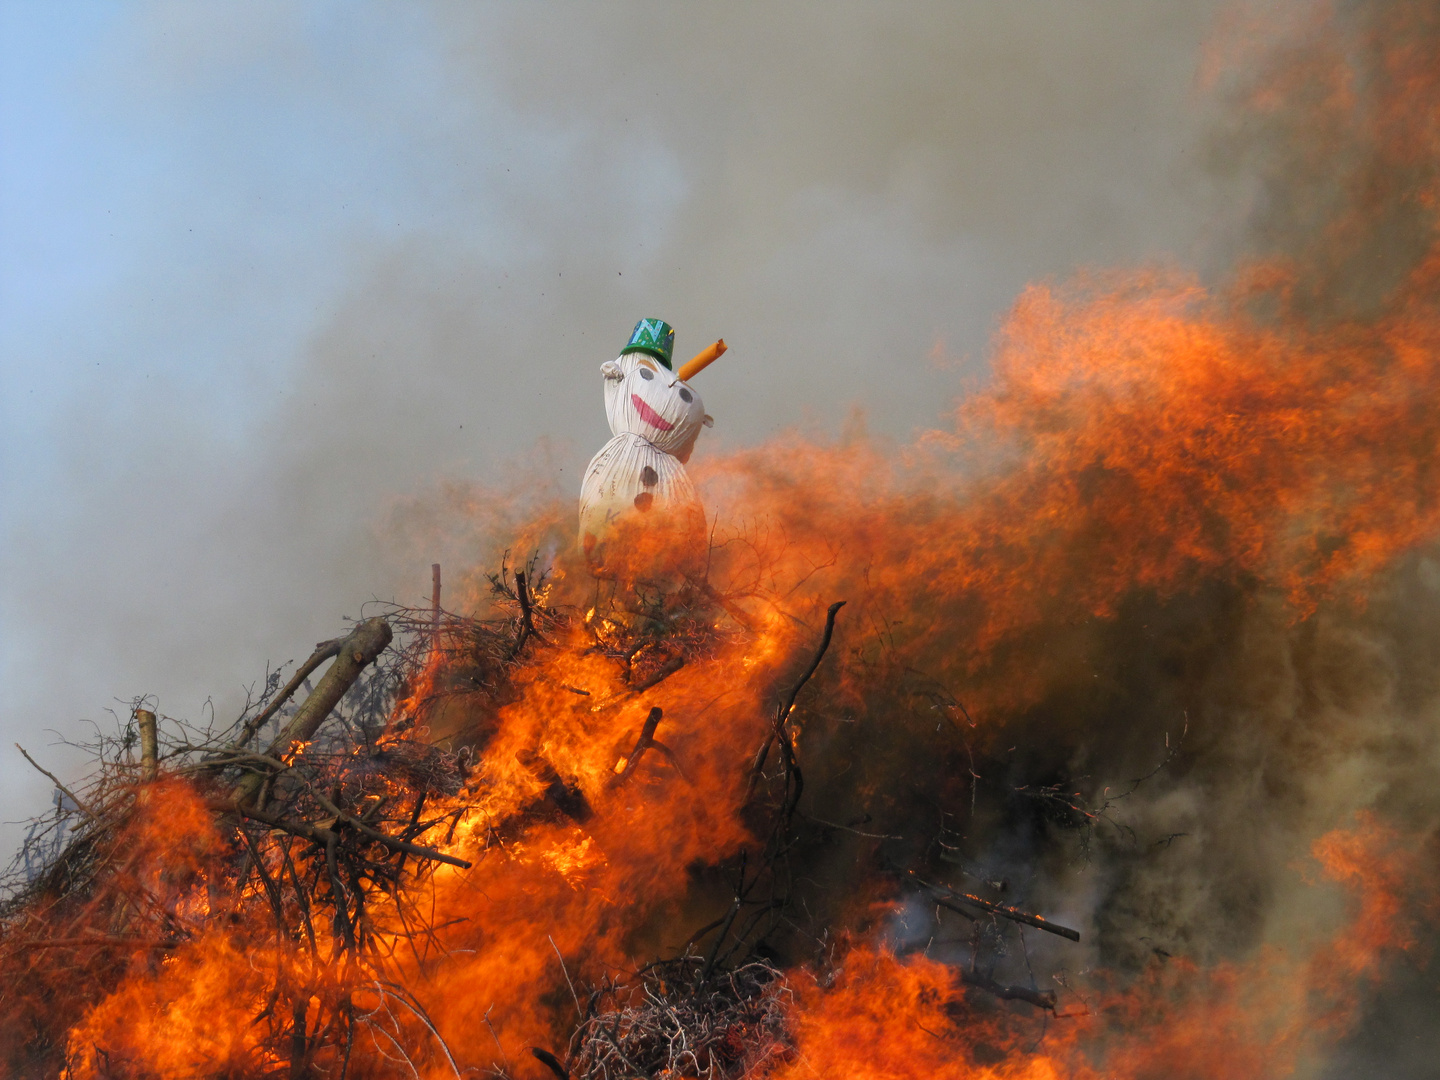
x: 569, y: 799
x: 1041, y: 999
x: 551, y: 1062
x: 645, y: 742
x: 949, y: 898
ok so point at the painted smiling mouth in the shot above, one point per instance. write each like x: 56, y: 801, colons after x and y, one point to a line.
x: 649, y: 415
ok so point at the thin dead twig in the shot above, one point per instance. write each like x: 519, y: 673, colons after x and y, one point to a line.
x: 79, y: 803
x: 777, y: 730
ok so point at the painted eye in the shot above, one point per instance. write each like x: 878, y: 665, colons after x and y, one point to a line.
x: 646, y: 374
x: 686, y: 396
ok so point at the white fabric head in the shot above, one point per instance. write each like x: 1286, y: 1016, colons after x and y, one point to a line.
x: 650, y: 401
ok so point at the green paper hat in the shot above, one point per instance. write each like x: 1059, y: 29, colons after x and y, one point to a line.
x: 653, y: 336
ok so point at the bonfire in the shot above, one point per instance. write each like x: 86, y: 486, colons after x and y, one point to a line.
x: 282, y: 896
x: 1024, y: 751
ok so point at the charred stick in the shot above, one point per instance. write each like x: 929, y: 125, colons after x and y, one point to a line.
x: 301, y: 895
x: 643, y: 743
x: 527, y: 617
x: 272, y: 891
x: 522, y: 590
x: 348, y: 1007
x: 316, y: 834
x: 299, y: 1036
x: 794, y: 777
x: 1003, y: 910
x: 570, y: 799
x: 337, y: 892
x: 656, y: 744
x: 814, y: 664
x: 740, y: 891
x: 655, y: 678
x: 414, y: 829
x: 783, y: 713
x: 392, y: 842
x: 720, y: 939
x: 319, y: 835
x: 551, y: 1062
x: 1013, y: 914
x: 698, y: 934
x: 770, y: 908
x: 454, y: 821
x: 1041, y: 999
x: 404, y: 846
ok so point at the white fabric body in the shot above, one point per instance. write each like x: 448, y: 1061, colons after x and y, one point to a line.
x: 617, y: 477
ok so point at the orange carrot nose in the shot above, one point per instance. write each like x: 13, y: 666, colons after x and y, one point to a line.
x: 702, y: 360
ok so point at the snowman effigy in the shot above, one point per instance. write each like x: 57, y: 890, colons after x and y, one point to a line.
x: 639, y: 514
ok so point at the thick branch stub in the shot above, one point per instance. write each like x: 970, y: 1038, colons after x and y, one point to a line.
x: 357, y: 652
x: 353, y: 655
x: 323, y: 651
x: 149, y: 745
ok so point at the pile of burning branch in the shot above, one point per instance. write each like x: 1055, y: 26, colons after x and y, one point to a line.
x: 296, y: 854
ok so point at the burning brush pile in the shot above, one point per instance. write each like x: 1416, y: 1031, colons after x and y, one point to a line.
x: 641, y: 835
x: 1092, y: 737
x: 490, y: 799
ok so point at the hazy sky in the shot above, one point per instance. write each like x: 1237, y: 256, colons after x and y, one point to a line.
x: 267, y: 268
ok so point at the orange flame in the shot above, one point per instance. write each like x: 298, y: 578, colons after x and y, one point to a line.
x: 1143, y: 436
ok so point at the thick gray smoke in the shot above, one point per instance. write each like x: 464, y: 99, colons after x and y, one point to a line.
x: 339, y: 256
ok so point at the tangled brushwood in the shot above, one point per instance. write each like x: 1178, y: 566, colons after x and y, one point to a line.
x: 678, y: 1020
x: 450, y: 809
